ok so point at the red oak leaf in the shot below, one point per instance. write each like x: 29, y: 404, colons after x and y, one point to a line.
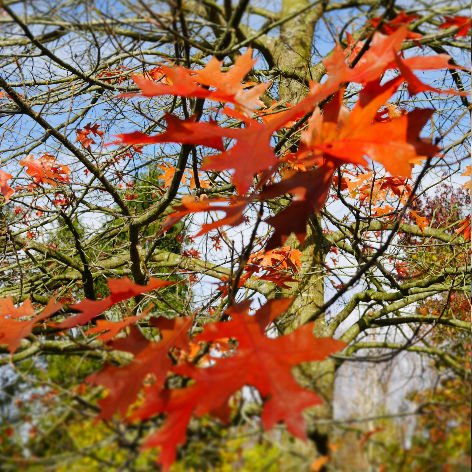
x: 397, y: 185
x: 461, y: 22
x: 351, y: 136
x: 187, y: 83
x: 6, y: 190
x: 83, y: 135
x: 464, y: 228
x: 381, y: 55
x: 45, y: 169
x: 402, y: 19
x: 255, y: 140
x: 229, y: 83
x: 421, y: 221
x: 17, y: 323
x: 281, y: 258
x: 415, y: 85
x: 262, y: 362
x: 167, y: 174
x: 120, y: 289
x: 381, y: 211
x: 110, y: 329
x: 178, y: 131
x: 233, y: 208
x: 124, y: 383
x: 310, y: 190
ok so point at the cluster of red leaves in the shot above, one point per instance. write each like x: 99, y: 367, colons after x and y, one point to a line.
x: 461, y: 22
x: 277, y: 265
x: 115, y: 76
x: 389, y: 27
x: 191, y: 253
x: 253, y: 359
x: 168, y: 172
x: 43, y: 170
x: 17, y: 323
x: 334, y: 135
x: 85, y: 136
x: 371, y: 191
x: 46, y: 169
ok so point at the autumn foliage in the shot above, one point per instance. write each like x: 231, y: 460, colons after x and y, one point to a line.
x: 173, y: 368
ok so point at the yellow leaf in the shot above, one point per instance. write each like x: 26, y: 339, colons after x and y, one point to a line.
x: 319, y: 463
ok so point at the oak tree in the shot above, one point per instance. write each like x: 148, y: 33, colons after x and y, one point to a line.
x: 208, y: 208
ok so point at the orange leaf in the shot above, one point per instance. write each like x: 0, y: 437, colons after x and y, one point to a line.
x: 83, y: 135
x: 349, y: 137
x: 468, y: 183
x: 317, y: 464
x: 381, y: 211
x: 17, y: 323
x: 421, y: 221
x: 464, y: 228
x: 381, y: 55
x: 167, y: 175
x: 6, y: 190
x: 415, y: 85
x: 45, y: 169
x: 228, y: 88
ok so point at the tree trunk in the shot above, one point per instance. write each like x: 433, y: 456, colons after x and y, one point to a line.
x: 308, y: 293
x: 293, y: 59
